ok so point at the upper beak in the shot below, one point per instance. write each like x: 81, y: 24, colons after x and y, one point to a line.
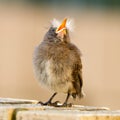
x: 62, y: 27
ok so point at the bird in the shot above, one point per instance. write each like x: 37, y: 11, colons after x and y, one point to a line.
x: 57, y: 64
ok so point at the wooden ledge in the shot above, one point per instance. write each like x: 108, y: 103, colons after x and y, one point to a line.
x: 20, y: 109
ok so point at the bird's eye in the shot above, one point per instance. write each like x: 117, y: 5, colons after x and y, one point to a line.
x: 53, y: 30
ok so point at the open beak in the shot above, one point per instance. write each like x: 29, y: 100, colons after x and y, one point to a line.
x: 62, y: 28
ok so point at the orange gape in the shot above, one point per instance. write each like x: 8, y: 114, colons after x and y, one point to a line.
x: 62, y: 26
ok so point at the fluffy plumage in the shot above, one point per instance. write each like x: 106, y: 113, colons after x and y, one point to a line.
x: 57, y: 63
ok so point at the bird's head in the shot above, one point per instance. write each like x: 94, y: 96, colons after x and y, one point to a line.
x: 58, y: 32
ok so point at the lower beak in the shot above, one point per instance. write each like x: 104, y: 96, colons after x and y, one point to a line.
x: 62, y: 33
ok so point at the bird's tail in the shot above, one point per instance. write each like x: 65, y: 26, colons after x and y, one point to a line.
x: 81, y: 94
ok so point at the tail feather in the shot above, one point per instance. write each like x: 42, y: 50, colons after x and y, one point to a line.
x: 81, y: 94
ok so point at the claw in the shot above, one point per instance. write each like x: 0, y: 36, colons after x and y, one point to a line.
x: 42, y: 103
x: 65, y: 105
x: 55, y: 104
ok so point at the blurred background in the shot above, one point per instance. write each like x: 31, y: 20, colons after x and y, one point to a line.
x: 23, y: 24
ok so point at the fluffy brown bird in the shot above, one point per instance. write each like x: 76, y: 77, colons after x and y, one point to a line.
x: 57, y: 64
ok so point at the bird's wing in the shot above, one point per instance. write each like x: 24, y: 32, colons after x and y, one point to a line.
x: 78, y: 81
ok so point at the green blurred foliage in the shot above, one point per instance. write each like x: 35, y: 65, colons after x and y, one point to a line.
x: 94, y: 3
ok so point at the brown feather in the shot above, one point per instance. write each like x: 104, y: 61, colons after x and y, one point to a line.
x: 57, y: 64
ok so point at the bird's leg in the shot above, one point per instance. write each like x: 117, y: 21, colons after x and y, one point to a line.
x: 49, y: 102
x: 65, y: 104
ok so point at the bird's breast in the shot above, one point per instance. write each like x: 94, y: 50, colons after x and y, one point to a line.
x: 53, y: 67
x: 57, y: 76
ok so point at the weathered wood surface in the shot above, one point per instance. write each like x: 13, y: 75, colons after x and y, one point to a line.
x: 20, y: 109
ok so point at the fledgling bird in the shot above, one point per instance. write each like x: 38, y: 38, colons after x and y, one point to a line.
x: 57, y: 64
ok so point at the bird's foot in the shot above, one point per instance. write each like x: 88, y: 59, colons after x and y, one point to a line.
x: 49, y: 103
x: 55, y: 104
x: 65, y: 105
